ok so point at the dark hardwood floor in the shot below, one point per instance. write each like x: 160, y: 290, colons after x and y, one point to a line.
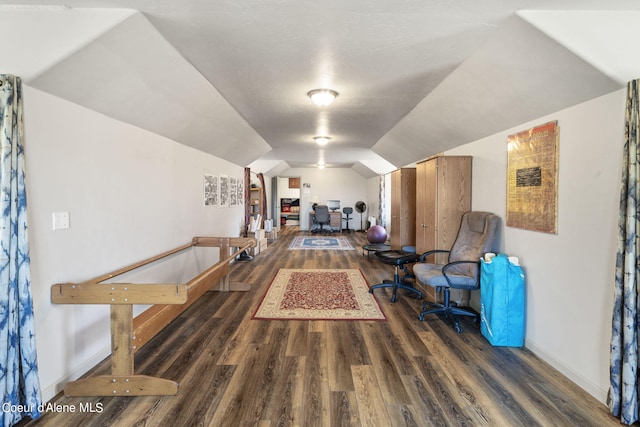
x: 234, y: 371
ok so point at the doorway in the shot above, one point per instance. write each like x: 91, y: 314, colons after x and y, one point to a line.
x: 286, y: 201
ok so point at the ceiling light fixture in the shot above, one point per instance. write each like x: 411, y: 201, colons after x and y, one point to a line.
x: 321, y: 140
x: 320, y: 165
x: 322, y: 97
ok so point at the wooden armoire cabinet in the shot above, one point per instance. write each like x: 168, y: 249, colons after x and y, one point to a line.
x: 403, y: 208
x: 443, y: 194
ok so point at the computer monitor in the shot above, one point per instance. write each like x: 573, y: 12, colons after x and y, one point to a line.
x: 333, y: 205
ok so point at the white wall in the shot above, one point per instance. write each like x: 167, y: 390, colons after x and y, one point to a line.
x: 341, y: 184
x: 284, y: 192
x: 130, y: 194
x: 569, y: 276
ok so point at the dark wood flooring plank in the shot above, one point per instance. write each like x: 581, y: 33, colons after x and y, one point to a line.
x: 470, y: 377
x: 359, y: 353
x: 447, y: 397
x: 205, y: 390
x: 425, y: 410
x: 526, y: 365
x: 297, y: 345
x: 251, y: 385
x: 345, y: 347
x: 402, y: 360
x: 383, y: 362
x: 407, y: 326
x: 344, y: 409
x: 316, y: 394
x: 249, y: 332
x: 371, y: 405
x: 283, y: 407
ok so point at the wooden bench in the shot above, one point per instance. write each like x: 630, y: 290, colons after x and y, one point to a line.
x: 128, y: 334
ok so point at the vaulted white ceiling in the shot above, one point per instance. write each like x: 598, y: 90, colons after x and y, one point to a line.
x: 230, y: 78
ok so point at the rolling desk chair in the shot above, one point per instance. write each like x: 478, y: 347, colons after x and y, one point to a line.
x: 347, y: 218
x: 478, y: 235
x: 321, y: 217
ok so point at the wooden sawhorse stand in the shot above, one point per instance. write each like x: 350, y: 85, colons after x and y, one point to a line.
x: 128, y: 334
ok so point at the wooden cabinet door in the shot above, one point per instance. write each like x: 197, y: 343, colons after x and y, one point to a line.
x: 408, y: 209
x: 426, y: 207
x: 403, y: 208
x: 294, y: 182
x: 394, y: 229
x: 443, y: 195
x: 454, y: 197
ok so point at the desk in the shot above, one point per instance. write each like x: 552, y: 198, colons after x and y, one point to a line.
x: 335, y: 220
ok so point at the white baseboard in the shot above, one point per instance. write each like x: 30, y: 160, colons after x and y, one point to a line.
x: 52, y: 390
x: 588, y: 386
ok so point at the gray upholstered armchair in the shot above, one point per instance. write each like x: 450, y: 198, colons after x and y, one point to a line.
x: 478, y: 235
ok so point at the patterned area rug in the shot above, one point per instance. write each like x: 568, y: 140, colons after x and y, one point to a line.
x: 313, y: 294
x: 308, y: 242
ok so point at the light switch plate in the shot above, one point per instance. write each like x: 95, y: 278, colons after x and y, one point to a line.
x: 60, y: 220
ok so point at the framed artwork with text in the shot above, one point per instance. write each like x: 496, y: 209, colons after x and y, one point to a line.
x: 532, y: 178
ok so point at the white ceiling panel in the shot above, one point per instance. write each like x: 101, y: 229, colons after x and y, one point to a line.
x: 131, y: 73
x: 518, y: 75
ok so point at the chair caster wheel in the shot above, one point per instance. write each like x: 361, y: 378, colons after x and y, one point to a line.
x: 393, y: 299
x: 421, y: 317
x: 458, y: 329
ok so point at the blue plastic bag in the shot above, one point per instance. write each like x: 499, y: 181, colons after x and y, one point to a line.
x: 502, y: 302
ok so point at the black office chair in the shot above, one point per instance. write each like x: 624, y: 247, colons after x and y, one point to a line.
x: 321, y: 217
x: 478, y: 235
x: 347, y: 212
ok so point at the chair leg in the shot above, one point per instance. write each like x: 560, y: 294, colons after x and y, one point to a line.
x: 395, y: 284
x: 436, y: 309
x: 446, y: 309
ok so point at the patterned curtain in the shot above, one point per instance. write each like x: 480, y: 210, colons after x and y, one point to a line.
x: 382, y: 212
x: 623, y: 391
x: 18, y: 365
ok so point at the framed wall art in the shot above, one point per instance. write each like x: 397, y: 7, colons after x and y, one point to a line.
x: 233, y: 191
x: 532, y: 178
x: 240, y: 191
x: 210, y: 190
x: 224, y: 190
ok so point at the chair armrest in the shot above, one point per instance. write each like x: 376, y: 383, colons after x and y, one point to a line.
x: 451, y: 264
x: 434, y: 251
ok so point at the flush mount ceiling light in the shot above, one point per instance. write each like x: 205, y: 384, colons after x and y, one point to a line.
x: 321, y: 140
x: 320, y: 165
x: 322, y: 97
